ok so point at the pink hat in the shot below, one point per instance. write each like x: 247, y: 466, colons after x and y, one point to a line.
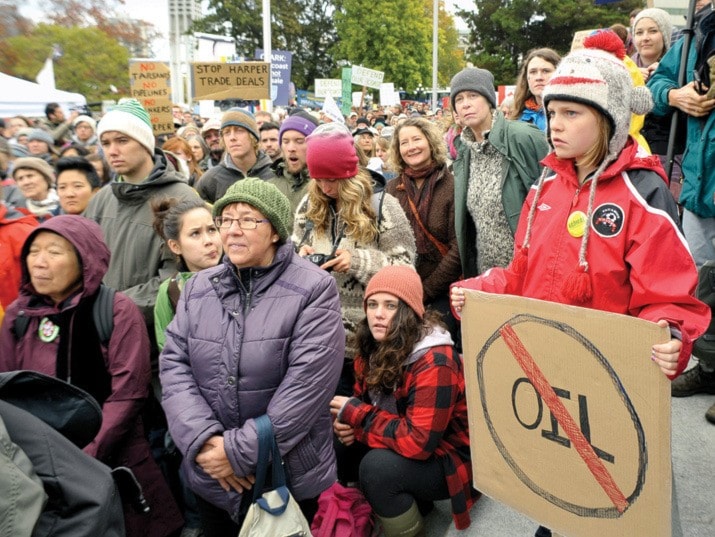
x: 331, y: 153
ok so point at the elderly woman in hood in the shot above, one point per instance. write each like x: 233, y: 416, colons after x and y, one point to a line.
x: 63, y: 263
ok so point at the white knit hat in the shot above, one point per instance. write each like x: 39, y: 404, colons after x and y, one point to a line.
x: 85, y: 119
x: 661, y: 18
x: 130, y: 118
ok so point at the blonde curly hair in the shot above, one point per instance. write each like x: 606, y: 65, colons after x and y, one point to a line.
x: 354, y: 208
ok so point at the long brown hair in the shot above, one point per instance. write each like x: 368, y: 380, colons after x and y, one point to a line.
x: 522, y: 92
x: 384, y: 361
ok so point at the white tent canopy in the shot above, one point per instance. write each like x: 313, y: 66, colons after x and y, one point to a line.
x: 20, y: 97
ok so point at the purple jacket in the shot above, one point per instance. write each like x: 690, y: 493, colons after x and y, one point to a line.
x: 120, y: 440
x: 266, y: 340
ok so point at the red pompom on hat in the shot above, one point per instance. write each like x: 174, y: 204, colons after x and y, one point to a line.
x: 401, y: 281
x: 607, y: 40
x: 331, y: 153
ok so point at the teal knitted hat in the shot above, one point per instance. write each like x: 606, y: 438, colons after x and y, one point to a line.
x: 130, y: 118
x: 260, y: 195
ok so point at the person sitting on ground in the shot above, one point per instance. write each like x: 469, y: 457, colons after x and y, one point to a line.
x: 403, y: 433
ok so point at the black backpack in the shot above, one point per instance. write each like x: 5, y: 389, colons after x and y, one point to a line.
x: 102, y: 316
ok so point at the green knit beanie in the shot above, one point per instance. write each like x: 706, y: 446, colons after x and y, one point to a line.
x: 260, y: 195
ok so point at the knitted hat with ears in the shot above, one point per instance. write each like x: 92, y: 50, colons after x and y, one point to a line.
x: 598, y: 79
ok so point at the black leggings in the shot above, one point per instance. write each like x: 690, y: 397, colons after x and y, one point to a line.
x: 391, y: 483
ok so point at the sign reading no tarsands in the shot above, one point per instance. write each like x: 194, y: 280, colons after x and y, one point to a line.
x: 569, y: 419
x: 217, y: 81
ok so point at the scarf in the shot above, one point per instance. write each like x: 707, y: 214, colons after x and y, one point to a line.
x: 422, y: 200
x: 532, y: 105
x: 46, y: 206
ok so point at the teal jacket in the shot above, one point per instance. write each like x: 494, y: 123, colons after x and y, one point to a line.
x: 698, y: 170
x: 523, y: 146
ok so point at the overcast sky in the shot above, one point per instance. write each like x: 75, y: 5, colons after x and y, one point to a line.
x: 157, y: 13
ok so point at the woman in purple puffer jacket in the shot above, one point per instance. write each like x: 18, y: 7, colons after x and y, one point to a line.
x: 259, y: 334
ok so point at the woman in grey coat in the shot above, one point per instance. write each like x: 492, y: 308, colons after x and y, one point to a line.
x: 259, y: 334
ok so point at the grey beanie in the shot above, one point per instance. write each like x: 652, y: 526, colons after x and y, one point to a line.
x: 42, y: 136
x: 661, y: 19
x: 474, y: 79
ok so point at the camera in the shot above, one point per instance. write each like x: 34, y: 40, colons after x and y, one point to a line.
x: 320, y: 259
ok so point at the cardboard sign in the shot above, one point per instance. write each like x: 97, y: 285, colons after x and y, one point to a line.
x: 362, y: 76
x: 578, y: 39
x: 328, y: 87
x: 569, y: 419
x: 150, y: 83
x: 217, y: 81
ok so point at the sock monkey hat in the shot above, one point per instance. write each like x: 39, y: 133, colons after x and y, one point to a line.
x: 600, y: 79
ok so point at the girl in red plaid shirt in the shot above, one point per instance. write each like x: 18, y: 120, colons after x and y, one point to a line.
x: 403, y: 435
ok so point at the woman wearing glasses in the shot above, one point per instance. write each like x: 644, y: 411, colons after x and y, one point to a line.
x: 261, y: 333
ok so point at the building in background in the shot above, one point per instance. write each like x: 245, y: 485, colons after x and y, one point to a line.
x: 182, y: 13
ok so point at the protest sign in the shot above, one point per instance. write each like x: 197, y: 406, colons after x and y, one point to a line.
x: 362, y: 76
x: 568, y: 416
x: 325, y: 87
x: 281, y: 65
x: 347, y: 90
x: 150, y: 84
x: 217, y: 81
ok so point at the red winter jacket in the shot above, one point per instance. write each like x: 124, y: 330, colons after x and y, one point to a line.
x: 14, y: 229
x: 639, y: 262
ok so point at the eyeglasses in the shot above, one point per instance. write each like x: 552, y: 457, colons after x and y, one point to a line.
x: 246, y: 222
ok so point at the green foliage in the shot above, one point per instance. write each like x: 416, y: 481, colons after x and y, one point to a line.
x: 304, y: 27
x: 393, y: 36
x: 90, y: 62
x: 503, y: 31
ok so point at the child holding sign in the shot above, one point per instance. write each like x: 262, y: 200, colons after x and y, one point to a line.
x: 599, y: 228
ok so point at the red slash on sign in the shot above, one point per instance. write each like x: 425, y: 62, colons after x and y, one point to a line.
x: 547, y: 393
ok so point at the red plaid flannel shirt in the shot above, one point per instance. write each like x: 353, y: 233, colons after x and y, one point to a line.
x: 431, y: 421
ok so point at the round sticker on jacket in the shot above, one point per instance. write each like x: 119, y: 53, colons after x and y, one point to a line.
x: 607, y: 220
x: 48, y: 331
x: 576, y: 224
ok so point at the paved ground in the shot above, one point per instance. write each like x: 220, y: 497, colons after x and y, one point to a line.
x: 693, y: 444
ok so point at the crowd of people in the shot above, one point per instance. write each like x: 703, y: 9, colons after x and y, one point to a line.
x: 313, y: 271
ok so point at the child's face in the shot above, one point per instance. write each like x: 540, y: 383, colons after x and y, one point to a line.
x: 573, y: 128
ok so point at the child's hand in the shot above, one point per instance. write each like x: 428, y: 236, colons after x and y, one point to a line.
x: 666, y: 354
x: 457, y: 298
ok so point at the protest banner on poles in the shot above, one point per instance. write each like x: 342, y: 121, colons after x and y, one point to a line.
x: 569, y: 419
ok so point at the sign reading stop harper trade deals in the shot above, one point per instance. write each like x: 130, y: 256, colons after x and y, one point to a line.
x: 569, y: 417
x: 150, y: 83
x: 362, y: 76
x: 217, y: 81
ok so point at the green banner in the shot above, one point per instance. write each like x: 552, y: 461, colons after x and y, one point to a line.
x: 347, y: 99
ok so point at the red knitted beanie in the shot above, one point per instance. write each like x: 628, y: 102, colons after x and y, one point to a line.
x: 401, y: 281
x: 331, y: 153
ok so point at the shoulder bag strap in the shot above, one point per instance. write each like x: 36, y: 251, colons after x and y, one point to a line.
x: 438, y: 244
